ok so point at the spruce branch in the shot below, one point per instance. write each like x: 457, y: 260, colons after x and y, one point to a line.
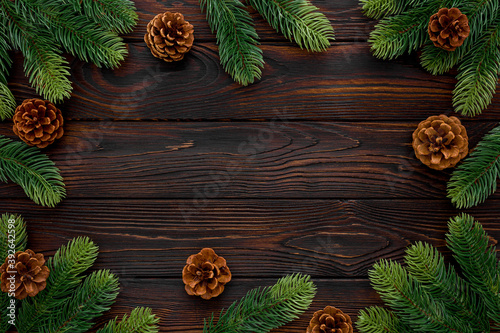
x: 239, y: 54
x: 32, y: 170
x: 78, y: 34
x: 91, y: 299
x: 264, y: 309
x: 470, y: 245
x: 395, y: 35
x: 20, y: 235
x: 66, y: 268
x: 7, y: 102
x: 297, y: 20
x: 5, y: 60
x: 113, y: 15
x: 475, y: 179
x: 141, y: 320
x: 478, y: 76
x: 380, y: 320
x: 46, y: 69
x: 380, y: 8
x: 407, y: 297
x: 427, y: 266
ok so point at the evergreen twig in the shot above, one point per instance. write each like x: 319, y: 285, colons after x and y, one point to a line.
x: 32, y: 170
x: 264, y: 309
x: 297, y: 20
x: 477, y: 258
x: 141, y: 320
x: 375, y: 319
x: 239, y: 54
x: 473, y: 181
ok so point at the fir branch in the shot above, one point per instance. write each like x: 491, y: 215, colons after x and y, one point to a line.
x: 66, y: 268
x: 114, y: 15
x: 32, y: 170
x: 475, y: 179
x: 141, y: 320
x: 5, y: 60
x: 380, y: 320
x: 427, y: 266
x: 20, y: 235
x: 47, y: 70
x: 478, y: 77
x: 7, y: 102
x: 297, y: 20
x: 262, y: 310
x: 470, y: 245
x: 93, y: 297
x: 239, y: 54
x: 380, y: 8
x: 395, y: 35
x: 411, y: 302
x: 78, y: 34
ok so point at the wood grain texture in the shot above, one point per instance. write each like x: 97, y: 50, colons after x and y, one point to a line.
x: 345, y: 83
x: 244, y: 160
x: 345, y: 15
x: 180, y: 312
x: 258, y: 238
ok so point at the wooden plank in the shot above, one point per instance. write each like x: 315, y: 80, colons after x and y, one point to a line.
x: 345, y: 15
x: 180, y: 312
x: 346, y: 83
x: 279, y: 159
x: 258, y: 238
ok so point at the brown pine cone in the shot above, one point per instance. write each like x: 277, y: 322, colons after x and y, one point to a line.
x: 38, y: 122
x: 440, y: 142
x: 448, y: 28
x: 169, y: 36
x: 24, y: 274
x: 205, y: 274
x: 330, y: 320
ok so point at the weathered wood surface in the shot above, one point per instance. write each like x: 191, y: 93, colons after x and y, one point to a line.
x: 309, y: 170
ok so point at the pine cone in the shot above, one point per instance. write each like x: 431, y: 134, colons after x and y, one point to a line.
x: 330, y: 320
x: 448, y: 28
x: 24, y: 274
x: 440, y: 142
x: 169, y: 36
x: 38, y: 122
x: 205, y: 274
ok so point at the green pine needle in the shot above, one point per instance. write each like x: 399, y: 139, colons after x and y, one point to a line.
x: 427, y: 266
x: 32, y: 170
x: 141, y: 320
x: 264, y: 309
x: 87, y: 29
x: 470, y: 245
x: 66, y: 268
x: 475, y: 179
x: 91, y: 299
x: 114, y: 15
x: 239, y: 54
x: 7, y: 102
x: 20, y: 234
x: 403, y: 28
x: 478, y: 76
x: 415, y: 306
x: 380, y: 8
x: 380, y: 320
x: 297, y: 20
x: 395, y: 35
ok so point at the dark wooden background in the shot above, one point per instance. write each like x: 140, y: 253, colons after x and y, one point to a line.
x: 309, y: 170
